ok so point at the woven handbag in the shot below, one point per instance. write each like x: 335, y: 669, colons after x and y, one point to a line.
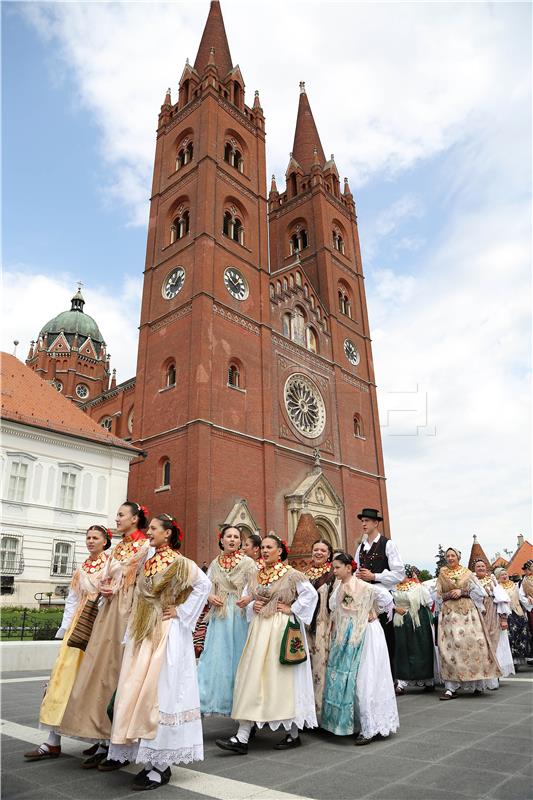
x: 81, y: 633
x: 292, y: 650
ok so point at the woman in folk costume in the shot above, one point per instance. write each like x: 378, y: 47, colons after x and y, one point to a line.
x: 526, y: 598
x: 156, y: 719
x: 227, y: 627
x: 252, y: 548
x: 84, y: 586
x: 519, y: 636
x: 359, y: 690
x: 495, y: 621
x: 467, y: 659
x: 320, y: 575
x: 86, y: 715
x: 413, y: 629
x: 268, y: 692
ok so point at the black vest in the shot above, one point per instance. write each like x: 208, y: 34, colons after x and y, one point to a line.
x: 375, y: 559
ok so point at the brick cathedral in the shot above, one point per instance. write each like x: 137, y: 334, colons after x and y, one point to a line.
x: 254, y: 398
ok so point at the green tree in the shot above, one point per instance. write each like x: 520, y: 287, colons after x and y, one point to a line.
x: 441, y: 560
x: 425, y: 575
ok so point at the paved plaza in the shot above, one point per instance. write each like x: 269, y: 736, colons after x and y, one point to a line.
x: 472, y: 747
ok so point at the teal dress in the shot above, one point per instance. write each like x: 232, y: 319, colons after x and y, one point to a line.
x: 227, y: 630
x: 351, y: 604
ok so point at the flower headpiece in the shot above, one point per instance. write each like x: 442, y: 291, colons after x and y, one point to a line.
x: 354, y: 565
x: 175, y: 527
x: 103, y: 530
x: 281, y: 542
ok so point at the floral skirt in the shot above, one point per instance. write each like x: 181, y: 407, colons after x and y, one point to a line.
x: 519, y: 637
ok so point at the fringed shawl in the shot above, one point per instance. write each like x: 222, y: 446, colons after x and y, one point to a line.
x: 171, y: 587
x: 87, y: 584
x: 283, y: 590
x: 527, y: 585
x: 123, y: 573
x: 353, y: 601
x: 411, y: 598
x: 226, y: 582
x: 514, y: 599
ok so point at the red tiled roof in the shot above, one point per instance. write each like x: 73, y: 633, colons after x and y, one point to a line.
x: 523, y: 554
x: 500, y: 562
x: 31, y: 401
x: 477, y: 553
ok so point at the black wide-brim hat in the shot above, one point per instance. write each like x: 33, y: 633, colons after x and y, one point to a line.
x: 370, y: 513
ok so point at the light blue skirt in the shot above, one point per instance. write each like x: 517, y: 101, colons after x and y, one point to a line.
x: 339, y: 705
x: 224, y: 643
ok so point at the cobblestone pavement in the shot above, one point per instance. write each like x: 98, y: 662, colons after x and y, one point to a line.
x: 472, y: 747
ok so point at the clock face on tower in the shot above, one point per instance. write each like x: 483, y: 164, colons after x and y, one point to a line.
x: 351, y: 352
x: 173, y: 283
x: 235, y: 283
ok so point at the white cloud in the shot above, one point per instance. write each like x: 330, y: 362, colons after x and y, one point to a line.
x: 403, y: 81
x: 456, y: 352
x: 31, y: 299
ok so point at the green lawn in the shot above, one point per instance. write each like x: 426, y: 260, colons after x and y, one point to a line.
x: 38, y: 623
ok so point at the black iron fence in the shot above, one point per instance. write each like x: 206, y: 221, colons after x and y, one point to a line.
x: 26, y: 624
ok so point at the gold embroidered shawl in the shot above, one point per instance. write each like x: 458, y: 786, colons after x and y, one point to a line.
x: 171, y: 587
x: 226, y: 582
x: 283, y: 590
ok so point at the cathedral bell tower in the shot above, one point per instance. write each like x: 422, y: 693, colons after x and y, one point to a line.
x: 254, y: 398
x: 205, y: 295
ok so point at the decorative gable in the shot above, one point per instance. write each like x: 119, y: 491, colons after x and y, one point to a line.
x: 88, y: 349
x: 60, y: 344
x: 240, y: 516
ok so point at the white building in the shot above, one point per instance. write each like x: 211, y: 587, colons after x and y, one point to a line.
x: 60, y: 473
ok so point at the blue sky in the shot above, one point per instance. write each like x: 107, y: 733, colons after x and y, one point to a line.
x: 427, y: 108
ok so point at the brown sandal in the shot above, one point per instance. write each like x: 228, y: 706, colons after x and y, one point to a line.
x: 42, y: 752
x: 448, y: 695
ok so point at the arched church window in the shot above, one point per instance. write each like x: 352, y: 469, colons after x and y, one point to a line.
x: 184, y: 154
x: 234, y: 376
x: 287, y: 324
x: 165, y: 472
x: 357, y: 426
x: 311, y: 340
x: 233, y: 227
x: 107, y: 423
x: 298, y: 326
x: 338, y: 242
x: 171, y: 375
x: 298, y: 241
x: 180, y: 226
x: 345, y: 306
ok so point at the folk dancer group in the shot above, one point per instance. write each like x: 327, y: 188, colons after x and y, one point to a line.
x: 330, y: 647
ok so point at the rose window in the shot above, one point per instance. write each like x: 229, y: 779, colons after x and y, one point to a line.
x: 305, y: 405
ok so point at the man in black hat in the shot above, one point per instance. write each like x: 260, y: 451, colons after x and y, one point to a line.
x: 379, y: 561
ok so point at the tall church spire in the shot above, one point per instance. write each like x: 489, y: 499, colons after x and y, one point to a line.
x: 306, y: 137
x: 214, y: 36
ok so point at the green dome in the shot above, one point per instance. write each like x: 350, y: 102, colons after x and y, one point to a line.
x: 74, y: 322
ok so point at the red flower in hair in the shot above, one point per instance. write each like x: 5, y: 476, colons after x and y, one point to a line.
x: 179, y: 532
x: 109, y: 533
x: 144, y: 510
x: 285, y: 545
x: 354, y: 565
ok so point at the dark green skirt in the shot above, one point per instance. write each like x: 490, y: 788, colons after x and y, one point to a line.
x: 414, y: 648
